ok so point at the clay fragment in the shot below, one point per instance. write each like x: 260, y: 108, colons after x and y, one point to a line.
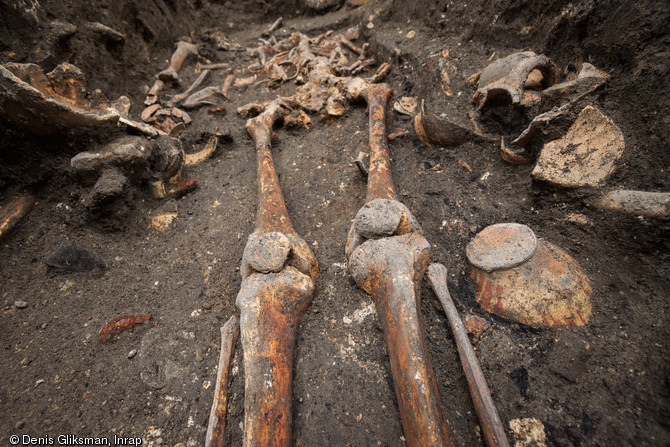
x: 203, y: 154
x: 639, y: 203
x: 588, y: 80
x: 507, y: 76
x: 120, y: 324
x: 511, y: 156
x: 548, y: 289
x: 501, y: 246
x: 432, y: 129
x: 585, y: 155
x: 476, y: 326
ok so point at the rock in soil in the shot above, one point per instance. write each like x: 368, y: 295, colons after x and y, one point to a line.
x: 528, y: 432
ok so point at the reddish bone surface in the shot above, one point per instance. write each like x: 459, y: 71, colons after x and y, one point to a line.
x: 277, y: 270
x: 388, y: 256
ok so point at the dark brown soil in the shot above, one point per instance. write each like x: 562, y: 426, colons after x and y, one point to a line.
x: 57, y: 379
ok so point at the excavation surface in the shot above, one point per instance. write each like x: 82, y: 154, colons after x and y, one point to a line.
x: 605, y: 383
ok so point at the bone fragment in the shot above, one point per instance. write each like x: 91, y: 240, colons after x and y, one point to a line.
x: 148, y: 112
x: 199, y: 67
x: 107, y: 33
x: 12, y: 213
x: 155, y: 90
x: 182, y: 115
x: 360, y: 163
x: 199, y: 98
x: 226, y: 85
x: 274, y: 27
x: 217, y: 416
x: 398, y: 135
x: 489, y: 421
x: 177, y: 99
x: 184, y: 50
x: 142, y: 127
x: 638, y: 203
x: 45, y: 104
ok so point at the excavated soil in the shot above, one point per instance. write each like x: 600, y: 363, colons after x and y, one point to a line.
x: 57, y: 379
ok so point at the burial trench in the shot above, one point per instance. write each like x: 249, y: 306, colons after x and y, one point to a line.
x: 558, y: 384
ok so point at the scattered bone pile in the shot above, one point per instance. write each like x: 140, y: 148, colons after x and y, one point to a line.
x: 167, y: 116
x: 322, y: 69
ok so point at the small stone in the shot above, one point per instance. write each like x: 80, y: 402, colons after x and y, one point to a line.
x: 501, y: 246
x: 207, y: 306
x: 578, y: 218
x: 39, y: 382
x: 44, y: 326
x: 19, y: 425
x: 20, y: 304
x: 26, y: 361
x: 528, y: 432
x: 132, y: 353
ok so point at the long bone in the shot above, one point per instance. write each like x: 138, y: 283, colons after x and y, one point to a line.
x: 183, y: 51
x: 387, y: 257
x: 277, y: 270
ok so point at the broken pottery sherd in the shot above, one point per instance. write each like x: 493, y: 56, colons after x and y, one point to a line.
x: 501, y: 246
x: 588, y: 80
x: 585, y: 155
x: 508, y: 76
x: 638, y: 203
x: 432, y: 129
x: 528, y: 280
